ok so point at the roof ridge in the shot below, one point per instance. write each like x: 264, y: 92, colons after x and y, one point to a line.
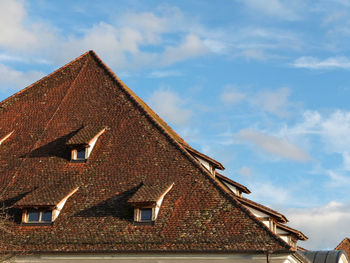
x: 181, y: 147
x: 45, y: 128
x: 43, y: 78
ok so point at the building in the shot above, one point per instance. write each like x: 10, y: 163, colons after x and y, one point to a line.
x: 344, y: 245
x: 90, y: 172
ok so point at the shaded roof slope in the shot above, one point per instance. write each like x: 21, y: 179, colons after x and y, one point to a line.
x: 138, y: 148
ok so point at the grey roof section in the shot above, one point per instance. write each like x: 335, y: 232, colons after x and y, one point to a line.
x: 324, y: 256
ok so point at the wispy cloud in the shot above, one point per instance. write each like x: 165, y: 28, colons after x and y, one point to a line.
x: 285, y: 10
x: 164, y: 74
x: 275, y: 101
x: 245, y: 171
x: 232, y: 95
x: 316, y: 63
x: 16, y: 34
x: 170, y: 106
x: 14, y: 80
x: 266, y: 193
x: 326, y: 226
x: 279, y: 147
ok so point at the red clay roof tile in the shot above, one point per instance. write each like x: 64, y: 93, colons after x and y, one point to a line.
x: 139, y: 147
x: 149, y: 193
x: 84, y: 135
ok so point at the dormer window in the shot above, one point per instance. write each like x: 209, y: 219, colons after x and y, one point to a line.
x: 146, y: 214
x: 44, y: 204
x: 148, y: 200
x: 37, y: 216
x: 83, y: 142
x: 79, y: 155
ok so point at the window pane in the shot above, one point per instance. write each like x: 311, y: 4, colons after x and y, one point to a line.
x: 146, y: 214
x: 33, y: 216
x: 81, y: 154
x: 46, y: 216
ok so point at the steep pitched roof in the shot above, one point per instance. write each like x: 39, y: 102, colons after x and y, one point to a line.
x: 197, y: 215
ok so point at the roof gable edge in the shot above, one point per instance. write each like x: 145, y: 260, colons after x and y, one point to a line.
x: 177, y: 144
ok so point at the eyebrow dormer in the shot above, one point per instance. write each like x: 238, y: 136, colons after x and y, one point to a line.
x: 83, y: 142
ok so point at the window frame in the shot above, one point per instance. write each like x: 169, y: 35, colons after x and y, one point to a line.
x: 138, y: 214
x: 75, y: 158
x: 26, y: 220
x: 146, y: 209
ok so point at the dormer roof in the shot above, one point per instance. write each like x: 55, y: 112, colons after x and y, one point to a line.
x: 149, y: 194
x: 231, y: 182
x: 213, y: 162
x: 49, y: 195
x: 278, y: 216
x: 293, y: 231
x: 85, y: 135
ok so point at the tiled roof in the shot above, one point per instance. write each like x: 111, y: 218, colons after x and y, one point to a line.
x: 48, y: 195
x: 234, y: 183
x: 197, y: 215
x: 281, y: 218
x: 344, y: 245
x: 84, y: 135
x: 297, y: 233
x: 149, y: 193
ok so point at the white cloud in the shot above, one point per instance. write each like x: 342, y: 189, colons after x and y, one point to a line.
x: 328, y: 63
x: 17, y: 33
x: 325, y: 226
x: 338, y: 180
x: 164, y: 73
x: 245, y: 171
x: 11, y: 79
x: 191, y: 46
x: 231, y: 95
x: 286, y: 10
x: 170, y: 106
x: 331, y: 129
x: 266, y: 193
x: 275, y: 102
x: 277, y: 146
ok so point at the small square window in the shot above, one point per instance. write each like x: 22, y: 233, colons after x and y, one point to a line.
x: 33, y: 216
x: 81, y: 154
x: 46, y: 216
x: 146, y: 214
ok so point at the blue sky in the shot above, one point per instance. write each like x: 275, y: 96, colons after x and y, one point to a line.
x: 261, y: 85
